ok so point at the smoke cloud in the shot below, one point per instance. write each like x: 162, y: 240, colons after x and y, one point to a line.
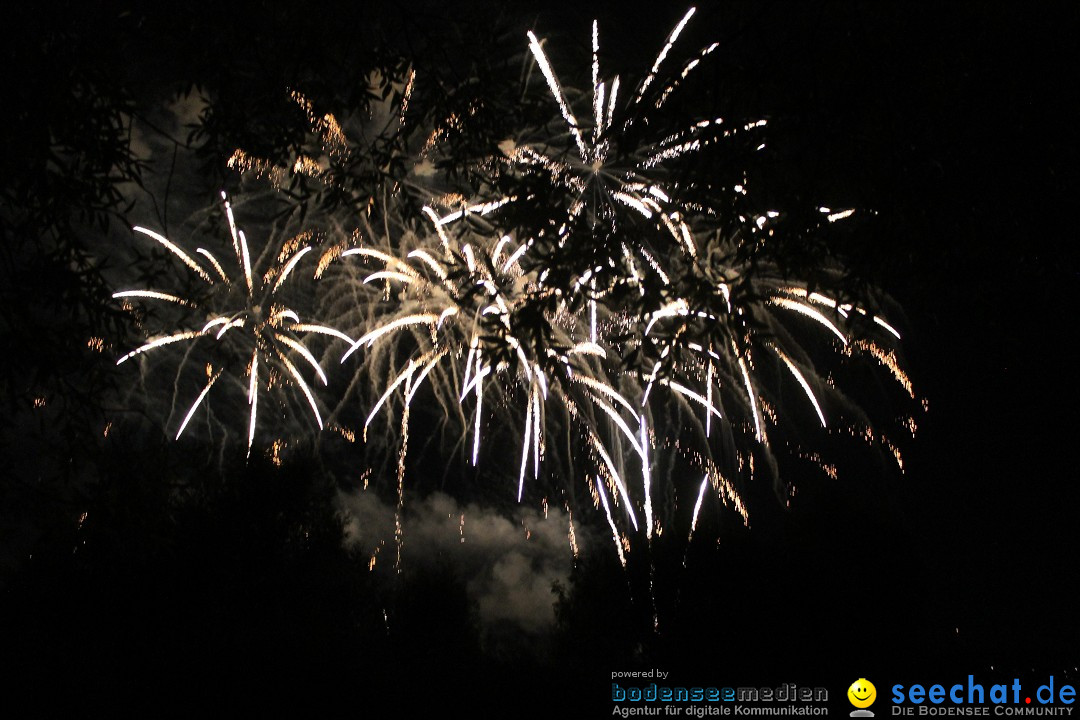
x: 509, y: 564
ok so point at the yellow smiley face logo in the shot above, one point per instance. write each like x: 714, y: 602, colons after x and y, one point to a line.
x: 862, y: 693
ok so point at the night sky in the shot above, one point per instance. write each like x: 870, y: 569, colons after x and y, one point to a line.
x: 955, y: 124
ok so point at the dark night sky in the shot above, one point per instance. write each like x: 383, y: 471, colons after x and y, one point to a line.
x: 956, y: 123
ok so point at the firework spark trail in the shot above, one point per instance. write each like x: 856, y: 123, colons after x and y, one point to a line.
x: 609, y: 464
x: 646, y: 478
x: 663, y: 54
x: 399, y: 535
x: 525, y: 446
x: 805, y: 385
x: 620, y: 424
x: 370, y: 338
x: 253, y: 397
x: 195, y: 405
x: 685, y: 72
x: 406, y: 95
x: 710, y: 409
x: 599, y: 485
x: 556, y: 91
x: 538, y: 436
x: 404, y: 377
x: 812, y: 314
x: 844, y: 309
x: 697, y: 507
x: 184, y: 257
x: 303, y: 387
x: 751, y: 396
x: 152, y: 295
x: 153, y: 344
x: 708, y: 398
x: 479, y: 410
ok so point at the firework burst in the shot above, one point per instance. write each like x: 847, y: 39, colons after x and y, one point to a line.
x: 466, y: 318
x: 254, y: 333
x: 619, y: 205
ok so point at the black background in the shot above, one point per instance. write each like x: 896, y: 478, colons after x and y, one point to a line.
x: 956, y: 123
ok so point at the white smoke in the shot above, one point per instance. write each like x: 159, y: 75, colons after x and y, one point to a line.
x: 508, y: 565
